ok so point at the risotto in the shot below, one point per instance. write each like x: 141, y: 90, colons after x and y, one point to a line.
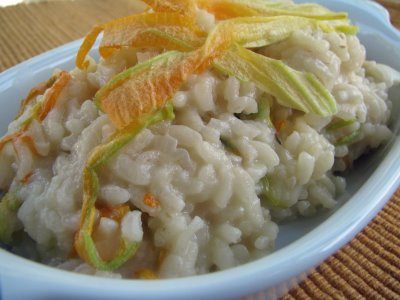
x: 201, y: 127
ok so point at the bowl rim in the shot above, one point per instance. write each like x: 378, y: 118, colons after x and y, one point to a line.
x: 311, y: 249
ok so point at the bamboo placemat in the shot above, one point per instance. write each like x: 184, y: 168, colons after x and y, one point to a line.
x: 368, y: 267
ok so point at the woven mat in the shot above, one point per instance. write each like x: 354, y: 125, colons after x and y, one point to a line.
x: 368, y: 267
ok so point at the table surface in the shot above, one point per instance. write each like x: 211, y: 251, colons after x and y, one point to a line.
x: 368, y: 267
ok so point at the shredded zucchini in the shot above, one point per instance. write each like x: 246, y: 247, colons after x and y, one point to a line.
x: 269, y: 194
x: 9, y: 223
x: 349, y: 139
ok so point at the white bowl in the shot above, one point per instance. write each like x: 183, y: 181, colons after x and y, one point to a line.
x: 301, y: 245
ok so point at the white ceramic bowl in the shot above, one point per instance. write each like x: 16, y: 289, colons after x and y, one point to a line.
x: 301, y: 245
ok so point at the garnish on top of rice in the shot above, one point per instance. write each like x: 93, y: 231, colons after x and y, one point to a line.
x: 202, y: 123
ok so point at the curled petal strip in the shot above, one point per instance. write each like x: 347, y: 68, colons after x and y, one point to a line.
x: 34, y: 92
x: 84, y: 243
x: 39, y: 110
x: 86, y: 46
x: 53, y: 94
x: 227, y: 9
x: 146, y: 87
x: 291, y: 88
x: 156, y: 30
x: 178, y: 6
